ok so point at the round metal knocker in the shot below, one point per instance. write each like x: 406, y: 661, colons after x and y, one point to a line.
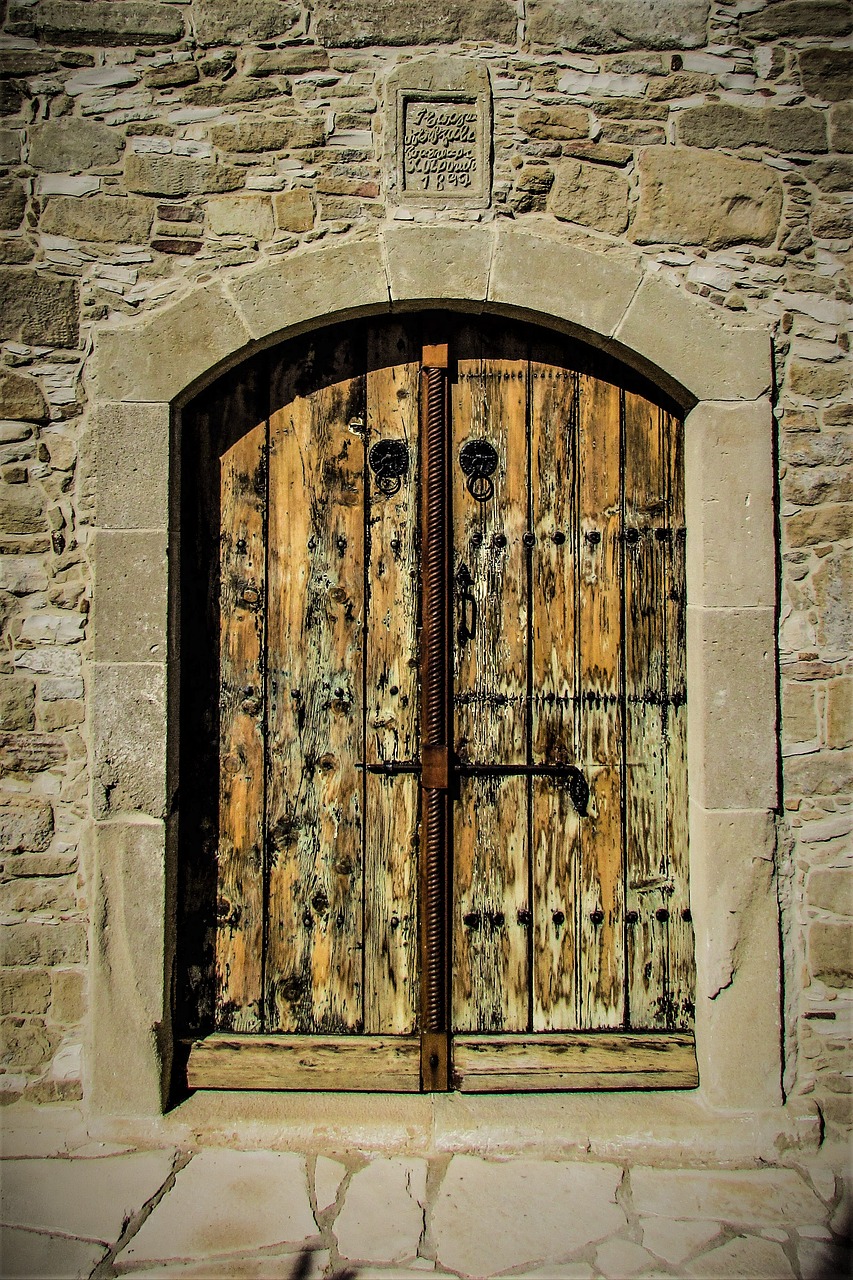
x: 478, y: 460
x: 389, y: 462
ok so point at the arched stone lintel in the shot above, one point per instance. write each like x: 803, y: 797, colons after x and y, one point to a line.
x: 659, y: 329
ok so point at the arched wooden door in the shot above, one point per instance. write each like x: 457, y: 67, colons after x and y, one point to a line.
x: 451, y: 834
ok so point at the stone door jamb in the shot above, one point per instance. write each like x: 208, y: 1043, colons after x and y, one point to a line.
x: 144, y: 372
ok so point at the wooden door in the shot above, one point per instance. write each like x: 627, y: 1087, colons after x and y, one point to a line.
x: 451, y: 819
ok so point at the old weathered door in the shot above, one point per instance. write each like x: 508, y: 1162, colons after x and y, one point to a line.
x: 452, y: 839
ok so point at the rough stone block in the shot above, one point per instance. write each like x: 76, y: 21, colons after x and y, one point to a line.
x: 26, y: 825
x: 799, y: 713
x: 271, y: 134
x: 744, y: 1256
x: 832, y: 175
x: 261, y: 1199
x: 56, y: 1195
x: 403, y: 22
x: 731, y: 557
x: 130, y: 446
x: 176, y: 176
x: 38, y: 308
x: 294, y: 61
x: 67, y: 996
x: 546, y: 123
x: 831, y: 889
x: 24, y: 991
x: 17, y: 707
x: 102, y: 22
x: 685, y: 339
x: 731, y: 675
x: 27, y: 1045
x: 736, y: 928
x: 30, y: 894
x: 612, y: 26
x: 104, y: 219
x: 841, y: 127
x: 43, y: 944
x: 242, y: 216
x: 721, y: 124
x: 839, y: 712
x: 155, y: 361
x: 819, y: 773
x: 21, y: 510
x: 798, y: 18
x: 831, y: 953
x: 13, y: 203
x: 28, y: 753
x: 21, y: 398
x: 524, y: 1212
x: 826, y: 73
x: 591, y: 195
x: 128, y: 967
x: 173, y: 76
x: 770, y: 1197
x: 294, y: 210
x: 690, y: 197
x: 128, y: 739
x: 130, y: 596
x: 575, y: 286
x: 68, y: 145
x: 223, y: 22
x: 431, y: 263
x: 54, y: 626
x: 829, y: 523
x: 382, y: 1218
x: 311, y: 285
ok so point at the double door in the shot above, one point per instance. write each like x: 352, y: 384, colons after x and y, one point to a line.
x: 451, y: 844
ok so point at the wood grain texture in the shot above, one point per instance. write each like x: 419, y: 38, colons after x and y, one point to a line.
x: 557, y: 962
x: 384, y: 1064
x: 391, y: 859
x: 490, y: 969
x: 509, y: 1064
x: 315, y: 652
x: 488, y: 402
x: 240, y: 886
x: 601, y: 897
x: 649, y: 886
x: 392, y: 679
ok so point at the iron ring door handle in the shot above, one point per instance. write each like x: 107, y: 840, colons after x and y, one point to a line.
x: 467, y: 628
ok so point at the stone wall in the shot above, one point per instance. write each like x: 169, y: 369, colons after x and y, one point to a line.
x: 149, y: 147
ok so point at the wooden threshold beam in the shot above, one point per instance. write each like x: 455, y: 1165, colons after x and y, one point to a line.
x: 573, y: 1061
x: 376, y: 1064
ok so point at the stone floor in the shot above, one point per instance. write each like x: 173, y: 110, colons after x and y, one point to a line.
x: 75, y: 1206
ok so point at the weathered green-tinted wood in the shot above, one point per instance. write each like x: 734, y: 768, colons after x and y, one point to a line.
x: 392, y: 683
x: 556, y: 868
x: 489, y: 967
x: 553, y: 483
x: 648, y: 889
x: 601, y: 896
x: 509, y: 1064
x: 239, y: 907
x: 682, y: 974
x: 315, y: 649
x: 391, y: 849
x: 386, y: 1064
x: 488, y: 403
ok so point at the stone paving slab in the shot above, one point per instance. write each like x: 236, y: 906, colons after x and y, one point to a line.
x: 763, y: 1196
x: 382, y: 1218
x: 92, y: 1199
x: 34, y: 1254
x: 227, y: 1203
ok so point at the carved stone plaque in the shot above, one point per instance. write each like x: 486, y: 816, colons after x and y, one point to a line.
x: 440, y: 134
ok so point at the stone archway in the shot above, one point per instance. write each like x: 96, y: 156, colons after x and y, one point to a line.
x: 144, y: 373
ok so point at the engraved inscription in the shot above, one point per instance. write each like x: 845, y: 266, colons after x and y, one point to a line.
x: 441, y: 147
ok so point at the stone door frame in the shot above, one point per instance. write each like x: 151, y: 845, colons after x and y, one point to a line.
x: 144, y: 372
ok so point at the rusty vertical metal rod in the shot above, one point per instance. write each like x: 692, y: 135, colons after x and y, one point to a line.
x: 435, y: 719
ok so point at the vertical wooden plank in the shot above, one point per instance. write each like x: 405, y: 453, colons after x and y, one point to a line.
x: 601, y: 897
x: 391, y: 987
x: 556, y: 844
x: 490, y: 887
x: 392, y: 683
x: 556, y: 867
x: 239, y: 906
x: 648, y: 886
x: 315, y: 627
x: 488, y: 403
x: 392, y: 687
x: 682, y: 974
